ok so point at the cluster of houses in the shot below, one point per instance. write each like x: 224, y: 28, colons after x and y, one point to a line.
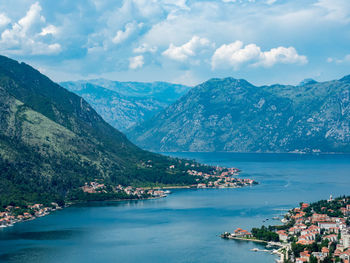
x: 15, y: 214
x: 220, y: 178
x: 142, y: 192
x: 307, y: 229
x: 305, y: 255
x: 94, y: 187
x: 317, y: 228
x: 139, y: 192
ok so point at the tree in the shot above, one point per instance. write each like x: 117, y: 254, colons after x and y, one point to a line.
x: 313, y: 259
x: 327, y: 260
x: 297, y: 248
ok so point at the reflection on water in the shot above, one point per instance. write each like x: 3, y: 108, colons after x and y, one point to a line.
x: 34, y: 254
x: 42, y: 235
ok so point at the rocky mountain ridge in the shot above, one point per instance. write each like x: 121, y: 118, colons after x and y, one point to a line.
x: 125, y: 104
x: 234, y: 115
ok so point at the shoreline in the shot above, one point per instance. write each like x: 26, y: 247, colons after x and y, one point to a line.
x: 68, y: 204
x: 244, y: 239
x: 278, y: 251
x: 301, y: 153
x: 169, y: 187
x: 209, y: 178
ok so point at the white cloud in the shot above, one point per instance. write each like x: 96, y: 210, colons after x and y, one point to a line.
x: 338, y: 10
x: 238, y: 1
x: 189, y: 49
x: 281, y: 55
x: 270, y: 2
x: 4, y: 20
x: 178, y: 3
x: 345, y: 59
x: 136, y: 62
x: 24, y: 36
x: 236, y: 54
x: 145, y: 48
x: 46, y: 49
x: 102, y: 36
x: 130, y: 28
x: 49, y: 30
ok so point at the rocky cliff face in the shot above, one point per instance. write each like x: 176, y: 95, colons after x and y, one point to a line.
x: 125, y: 104
x: 234, y: 115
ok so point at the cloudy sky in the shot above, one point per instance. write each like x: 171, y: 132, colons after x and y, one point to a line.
x: 181, y: 41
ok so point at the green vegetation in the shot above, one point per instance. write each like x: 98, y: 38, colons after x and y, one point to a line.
x: 313, y: 259
x: 52, y: 142
x: 265, y: 234
x: 332, y: 209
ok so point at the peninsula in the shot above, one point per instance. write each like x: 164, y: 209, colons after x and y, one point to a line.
x: 316, y: 232
x: 98, y: 190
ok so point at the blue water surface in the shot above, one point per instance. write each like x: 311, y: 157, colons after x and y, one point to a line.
x: 183, y: 227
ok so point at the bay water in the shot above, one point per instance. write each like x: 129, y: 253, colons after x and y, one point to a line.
x: 185, y: 226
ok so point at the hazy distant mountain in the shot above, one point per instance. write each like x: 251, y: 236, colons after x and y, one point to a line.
x: 52, y: 142
x: 124, y: 104
x: 234, y: 115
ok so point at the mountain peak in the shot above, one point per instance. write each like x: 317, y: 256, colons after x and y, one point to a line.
x: 242, y: 82
x: 307, y: 82
x: 345, y: 78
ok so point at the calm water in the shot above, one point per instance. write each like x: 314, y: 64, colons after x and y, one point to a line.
x: 183, y: 227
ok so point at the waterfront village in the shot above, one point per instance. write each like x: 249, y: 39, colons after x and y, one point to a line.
x: 218, y: 177
x: 317, y: 232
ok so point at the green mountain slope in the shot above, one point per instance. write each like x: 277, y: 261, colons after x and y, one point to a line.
x: 52, y: 142
x: 234, y: 115
x: 125, y: 104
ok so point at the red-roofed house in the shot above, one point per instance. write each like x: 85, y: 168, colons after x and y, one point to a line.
x: 319, y: 218
x: 239, y: 232
x: 305, y: 254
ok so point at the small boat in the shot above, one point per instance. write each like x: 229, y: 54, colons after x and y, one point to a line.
x: 167, y: 192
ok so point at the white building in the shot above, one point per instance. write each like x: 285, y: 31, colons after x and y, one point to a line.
x: 346, y: 240
x: 327, y: 225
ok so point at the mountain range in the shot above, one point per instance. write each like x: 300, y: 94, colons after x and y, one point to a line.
x: 52, y: 142
x: 125, y: 104
x: 234, y: 115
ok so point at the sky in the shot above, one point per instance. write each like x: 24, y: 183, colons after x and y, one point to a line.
x: 180, y: 41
